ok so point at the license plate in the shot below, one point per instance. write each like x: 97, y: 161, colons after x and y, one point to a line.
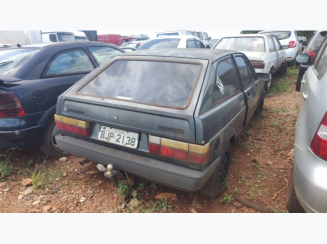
x: 120, y: 137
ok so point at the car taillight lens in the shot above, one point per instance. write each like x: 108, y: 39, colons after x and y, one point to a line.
x: 75, y: 126
x: 312, y: 54
x: 180, y: 150
x: 319, y: 142
x: 10, y: 105
x: 258, y: 64
x: 292, y: 44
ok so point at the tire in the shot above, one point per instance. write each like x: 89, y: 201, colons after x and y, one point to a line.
x: 292, y: 204
x: 217, y: 183
x: 48, y: 144
x: 268, y: 84
x: 260, y: 106
x: 283, y: 69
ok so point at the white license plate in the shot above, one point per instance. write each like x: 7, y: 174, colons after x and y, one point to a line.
x: 120, y: 137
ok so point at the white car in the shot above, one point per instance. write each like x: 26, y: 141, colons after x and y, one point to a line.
x: 290, y: 42
x: 176, y: 33
x: 264, y: 52
x: 203, y: 37
x: 173, y: 42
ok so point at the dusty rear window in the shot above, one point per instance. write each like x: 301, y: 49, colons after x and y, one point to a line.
x: 163, y: 84
x: 243, y: 44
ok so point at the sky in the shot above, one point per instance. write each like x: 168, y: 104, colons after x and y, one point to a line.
x: 214, y: 34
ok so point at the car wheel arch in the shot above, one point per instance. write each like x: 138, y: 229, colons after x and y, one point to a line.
x: 47, y: 115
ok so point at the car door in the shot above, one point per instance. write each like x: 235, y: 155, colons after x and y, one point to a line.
x: 63, y: 70
x: 103, y: 53
x: 250, y: 85
x: 280, y: 52
x: 273, y: 57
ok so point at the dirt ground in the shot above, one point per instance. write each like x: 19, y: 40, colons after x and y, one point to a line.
x: 261, y: 165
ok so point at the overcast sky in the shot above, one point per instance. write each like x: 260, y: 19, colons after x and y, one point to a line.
x: 212, y: 33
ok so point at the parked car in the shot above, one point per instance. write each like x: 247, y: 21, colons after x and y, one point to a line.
x: 203, y: 36
x: 176, y: 33
x: 80, y: 36
x: 110, y: 38
x: 140, y: 37
x: 309, y: 186
x: 263, y: 50
x: 289, y: 41
x: 172, y: 42
x: 131, y: 46
x: 311, y: 49
x: 5, y: 45
x: 57, y: 36
x: 212, y: 42
x: 31, y: 79
x: 302, y: 42
x: 169, y: 116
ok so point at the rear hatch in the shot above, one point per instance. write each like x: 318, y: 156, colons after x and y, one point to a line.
x: 138, y: 97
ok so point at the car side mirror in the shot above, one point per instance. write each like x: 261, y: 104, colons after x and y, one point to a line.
x: 209, y: 38
x: 208, y: 46
x: 53, y: 37
x: 303, y: 59
x: 263, y: 76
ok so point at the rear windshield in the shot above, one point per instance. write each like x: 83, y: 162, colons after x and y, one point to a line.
x: 250, y: 44
x: 157, y: 83
x: 160, y: 43
x: 10, y: 58
x: 168, y: 34
x: 281, y: 35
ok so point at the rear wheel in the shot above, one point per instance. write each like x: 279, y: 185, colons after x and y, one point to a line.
x: 283, y: 69
x: 48, y: 145
x: 217, y: 183
x: 260, y: 106
x: 293, y: 205
x: 268, y: 83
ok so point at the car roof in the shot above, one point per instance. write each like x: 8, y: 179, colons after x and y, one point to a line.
x: 193, y: 53
x: 247, y: 35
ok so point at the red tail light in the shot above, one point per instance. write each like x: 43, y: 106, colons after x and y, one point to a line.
x: 319, y: 142
x: 292, y: 44
x: 312, y: 54
x: 10, y: 106
x: 180, y: 150
x: 258, y: 64
x: 73, y: 125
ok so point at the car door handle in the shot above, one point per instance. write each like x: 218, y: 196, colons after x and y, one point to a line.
x: 305, y: 95
x: 303, y: 81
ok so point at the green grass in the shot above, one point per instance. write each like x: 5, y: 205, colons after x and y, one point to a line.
x: 281, y: 110
x: 280, y: 86
x: 227, y: 199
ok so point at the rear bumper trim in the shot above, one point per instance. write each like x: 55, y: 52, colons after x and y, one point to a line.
x: 151, y: 169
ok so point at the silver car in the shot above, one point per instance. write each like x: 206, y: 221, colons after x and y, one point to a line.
x: 309, y: 183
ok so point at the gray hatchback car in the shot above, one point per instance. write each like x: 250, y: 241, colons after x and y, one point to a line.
x: 309, y: 185
x: 169, y: 116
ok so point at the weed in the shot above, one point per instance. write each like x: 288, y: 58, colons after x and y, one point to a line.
x: 124, y: 188
x: 162, y: 205
x: 254, y: 193
x: 276, y: 149
x: 286, y: 144
x: 274, y: 209
x: 35, y: 177
x: 265, y: 191
x: 236, y: 190
x: 227, y: 199
x: 29, y: 163
x: 142, y: 185
x: 280, y: 87
x: 5, y: 170
x: 205, y: 204
x: 211, y: 199
x: 248, y: 132
x: 281, y: 110
x: 48, y: 176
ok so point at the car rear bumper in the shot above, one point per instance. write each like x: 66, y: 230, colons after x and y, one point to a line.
x: 21, y: 138
x: 310, y: 180
x: 151, y: 169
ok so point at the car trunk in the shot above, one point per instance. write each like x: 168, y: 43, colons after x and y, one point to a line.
x: 254, y: 55
x: 164, y: 109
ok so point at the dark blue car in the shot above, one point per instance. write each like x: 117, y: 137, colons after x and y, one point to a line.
x: 31, y: 79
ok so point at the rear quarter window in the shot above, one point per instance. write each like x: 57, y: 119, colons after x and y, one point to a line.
x: 164, y: 84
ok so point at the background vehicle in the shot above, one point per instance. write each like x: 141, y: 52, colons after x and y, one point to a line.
x: 264, y: 52
x: 80, y: 36
x: 140, y: 37
x: 173, y: 134
x: 176, y: 33
x: 203, y: 36
x: 311, y: 49
x: 309, y: 186
x: 31, y: 79
x: 57, y: 36
x: 173, y: 42
x: 289, y: 41
x: 109, y: 38
x: 302, y: 42
x: 132, y: 45
x: 212, y: 42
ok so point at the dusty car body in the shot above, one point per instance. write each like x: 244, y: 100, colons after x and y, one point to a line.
x: 264, y: 51
x: 309, y: 186
x: 178, y: 110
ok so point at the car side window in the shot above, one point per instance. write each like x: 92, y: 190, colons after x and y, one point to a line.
x: 103, y: 54
x: 190, y: 43
x: 271, y: 45
x: 199, y: 44
x: 243, y: 70
x: 205, y: 36
x: 69, y: 62
x: 226, y: 81
x: 321, y: 66
x: 277, y: 45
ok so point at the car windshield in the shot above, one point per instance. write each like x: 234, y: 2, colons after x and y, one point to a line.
x: 132, y: 45
x: 160, y: 43
x: 10, y: 58
x: 315, y: 43
x: 249, y: 44
x: 163, y: 84
x: 281, y: 35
